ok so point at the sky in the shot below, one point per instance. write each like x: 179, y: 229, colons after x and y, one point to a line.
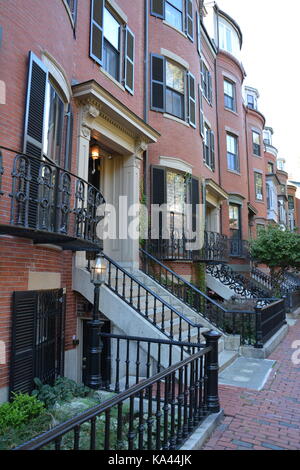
x: 271, y: 58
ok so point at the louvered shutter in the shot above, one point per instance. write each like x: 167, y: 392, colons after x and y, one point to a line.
x: 195, y: 200
x: 96, y: 30
x: 23, y: 341
x: 192, y: 100
x: 158, y: 8
x: 158, y: 192
x: 157, y: 82
x: 201, y: 113
x: 189, y: 19
x: 209, y: 87
x: 69, y: 136
x: 198, y: 32
x: 129, y: 60
x: 34, y: 127
x: 212, y: 150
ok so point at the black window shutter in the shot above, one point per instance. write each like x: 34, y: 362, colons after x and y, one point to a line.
x: 189, y: 19
x: 35, y: 105
x: 69, y: 136
x: 129, y: 60
x: 96, y: 31
x: 157, y: 83
x: 23, y: 341
x: 201, y: 117
x: 158, y: 8
x: 198, y: 32
x: 192, y: 100
x: 209, y: 87
x: 195, y: 200
x: 212, y: 150
x: 34, y: 127
x: 158, y: 193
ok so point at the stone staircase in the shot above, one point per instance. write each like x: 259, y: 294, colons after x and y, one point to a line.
x: 130, y: 301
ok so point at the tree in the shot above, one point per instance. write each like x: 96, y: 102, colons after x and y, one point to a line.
x: 278, y: 249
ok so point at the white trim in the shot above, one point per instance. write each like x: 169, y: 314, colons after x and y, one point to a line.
x: 175, y: 58
x: 108, y: 75
x: 117, y: 10
x: 69, y: 13
x: 176, y: 163
x: 174, y: 118
x: 59, y: 75
x: 174, y: 27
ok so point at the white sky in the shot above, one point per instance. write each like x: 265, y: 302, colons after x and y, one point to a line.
x: 271, y: 58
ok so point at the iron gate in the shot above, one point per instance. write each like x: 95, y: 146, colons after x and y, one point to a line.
x: 37, y: 338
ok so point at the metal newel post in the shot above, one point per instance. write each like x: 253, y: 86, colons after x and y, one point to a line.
x: 258, y: 329
x: 94, y: 346
x: 212, y: 367
x: 94, y: 379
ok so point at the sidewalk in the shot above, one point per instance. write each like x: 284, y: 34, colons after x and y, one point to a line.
x: 266, y: 419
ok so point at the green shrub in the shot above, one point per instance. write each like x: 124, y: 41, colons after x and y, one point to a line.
x: 20, y: 411
x: 63, y: 390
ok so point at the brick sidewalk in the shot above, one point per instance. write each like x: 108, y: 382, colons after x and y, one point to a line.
x: 266, y: 419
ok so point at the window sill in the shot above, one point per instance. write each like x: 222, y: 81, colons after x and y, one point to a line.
x: 231, y: 111
x: 108, y: 75
x: 257, y: 156
x: 69, y: 14
x: 206, y: 99
x: 174, y: 118
x: 235, y: 172
x: 209, y: 168
x: 259, y: 201
x: 175, y: 29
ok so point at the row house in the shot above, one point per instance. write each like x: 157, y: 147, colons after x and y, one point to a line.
x: 110, y: 103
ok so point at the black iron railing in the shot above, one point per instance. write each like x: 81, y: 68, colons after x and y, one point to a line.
x: 238, y: 248
x: 159, y: 413
x: 238, y: 319
x: 39, y: 197
x: 215, y: 248
x: 239, y: 284
x: 269, y: 319
x: 134, y: 358
x: 152, y: 307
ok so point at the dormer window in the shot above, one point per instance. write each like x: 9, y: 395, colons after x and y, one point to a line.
x: 228, y: 38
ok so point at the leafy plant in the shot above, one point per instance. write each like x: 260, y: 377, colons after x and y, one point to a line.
x: 63, y: 390
x: 20, y: 411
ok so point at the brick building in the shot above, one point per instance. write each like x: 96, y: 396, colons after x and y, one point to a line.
x: 105, y: 100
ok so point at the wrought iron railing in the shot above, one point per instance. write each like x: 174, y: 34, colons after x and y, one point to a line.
x: 158, y: 413
x: 40, y: 197
x: 238, y: 248
x: 239, y: 319
x: 132, y: 358
x: 156, y: 310
x: 215, y: 248
x: 239, y: 284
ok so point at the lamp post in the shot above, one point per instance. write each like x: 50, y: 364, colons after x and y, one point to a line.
x: 98, y: 274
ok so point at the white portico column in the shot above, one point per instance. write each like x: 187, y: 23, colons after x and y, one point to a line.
x: 129, y: 221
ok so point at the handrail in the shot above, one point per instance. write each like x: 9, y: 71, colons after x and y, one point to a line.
x: 58, y: 431
x: 152, y: 340
x: 181, y: 279
x: 150, y: 293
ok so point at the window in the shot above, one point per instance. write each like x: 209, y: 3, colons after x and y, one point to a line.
x: 73, y: 8
x: 229, y: 95
x: 234, y: 217
x: 251, y: 101
x: 111, y: 45
x: 172, y: 89
x: 228, y: 38
x: 258, y: 180
x: 291, y: 203
x: 178, y: 13
x: 267, y: 137
x: 269, y: 197
x: 206, y: 81
x: 53, y: 124
x: 209, y: 147
x: 256, y: 143
x: 176, y: 198
x: 107, y: 34
x: 232, y: 152
x: 174, y: 13
x: 270, y: 167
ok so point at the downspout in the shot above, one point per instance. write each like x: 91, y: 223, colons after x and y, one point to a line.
x: 146, y: 100
x: 247, y: 159
x: 218, y: 134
